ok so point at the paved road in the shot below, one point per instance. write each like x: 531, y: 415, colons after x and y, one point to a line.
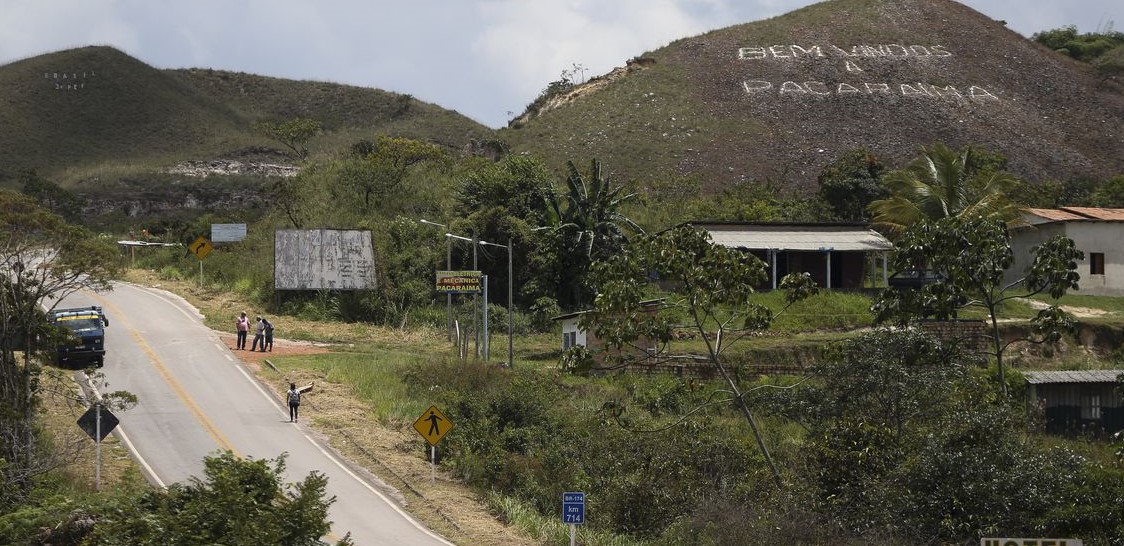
x: 197, y: 399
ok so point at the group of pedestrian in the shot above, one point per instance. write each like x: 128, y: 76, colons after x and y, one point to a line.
x: 263, y: 336
x: 263, y: 333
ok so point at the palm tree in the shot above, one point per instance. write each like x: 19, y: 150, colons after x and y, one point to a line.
x: 942, y: 183
x: 588, y: 225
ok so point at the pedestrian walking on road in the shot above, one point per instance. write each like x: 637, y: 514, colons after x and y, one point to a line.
x: 242, y: 326
x: 259, y: 335
x: 294, y: 396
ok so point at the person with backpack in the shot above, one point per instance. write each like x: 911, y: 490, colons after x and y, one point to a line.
x: 268, y: 335
x: 294, y: 396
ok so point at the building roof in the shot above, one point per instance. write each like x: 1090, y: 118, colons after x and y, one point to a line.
x: 1072, y: 376
x: 799, y: 237
x: 1074, y: 214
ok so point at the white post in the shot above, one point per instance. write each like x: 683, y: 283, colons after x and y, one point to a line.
x: 773, y: 260
x: 97, y: 447
x: 448, y: 295
x: 573, y: 534
x: 829, y: 269
x: 475, y: 300
x: 484, y: 312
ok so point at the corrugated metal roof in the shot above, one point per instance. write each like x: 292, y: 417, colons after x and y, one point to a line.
x: 1072, y: 214
x: 797, y: 237
x: 1072, y: 376
x: 1053, y: 215
x: 1112, y: 215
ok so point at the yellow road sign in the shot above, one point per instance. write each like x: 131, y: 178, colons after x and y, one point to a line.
x: 433, y: 425
x: 201, y: 247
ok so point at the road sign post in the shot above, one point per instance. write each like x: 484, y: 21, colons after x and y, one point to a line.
x: 200, y: 247
x: 98, y: 422
x: 433, y: 426
x: 573, y: 512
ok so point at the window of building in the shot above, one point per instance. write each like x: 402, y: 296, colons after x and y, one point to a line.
x: 1096, y: 263
x: 1092, y: 408
x: 569, y: 340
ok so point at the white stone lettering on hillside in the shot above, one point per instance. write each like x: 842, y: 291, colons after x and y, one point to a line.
x: 857, y: 62
x: 68, y: 81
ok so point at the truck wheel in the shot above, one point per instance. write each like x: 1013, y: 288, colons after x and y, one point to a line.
x: 99, y: 362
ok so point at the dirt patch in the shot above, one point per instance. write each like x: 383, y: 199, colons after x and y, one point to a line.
x: 1079, y: 312
x: 281, y: 347
x: 393, y: 453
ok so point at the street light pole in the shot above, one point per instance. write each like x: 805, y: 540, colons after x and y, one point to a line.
x: 475, y: 300
x: 510, y: 306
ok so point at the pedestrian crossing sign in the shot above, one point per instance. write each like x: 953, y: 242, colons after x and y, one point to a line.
x: 433, y: 425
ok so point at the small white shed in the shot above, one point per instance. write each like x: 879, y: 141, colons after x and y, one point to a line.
x: 1097, y: 232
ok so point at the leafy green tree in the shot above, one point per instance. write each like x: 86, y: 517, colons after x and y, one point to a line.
x: 519, y: 184
x: 713, y: 289
x: 586, y: 225
x: 943, y: 183
x: 870, y: 399
x: 1110, y: 65
x: 44, y: 259
x: 238, y: 502
x: 1083, y: 47
x: 1109, y: 194
x: 502, y: 201
x: 305, y: 200
x: 381, y: 169
x: 51, y: 196
x: 294, y: 134
x: 851, y: 183
x: 905, y: 439
x: 1054, y: 193
x: 972, y: 256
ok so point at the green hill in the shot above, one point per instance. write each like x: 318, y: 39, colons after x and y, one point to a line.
x: 779, y: 99
x: 73, y: 113
x: 770, y: 100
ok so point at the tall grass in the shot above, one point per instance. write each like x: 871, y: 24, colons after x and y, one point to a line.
x: 551, y: 530
x: 374, y: 375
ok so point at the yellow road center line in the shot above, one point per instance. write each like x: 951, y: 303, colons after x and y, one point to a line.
x: 210, y: 427
x: 157, y: 363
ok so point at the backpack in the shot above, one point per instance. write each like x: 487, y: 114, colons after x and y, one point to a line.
x: 269, y: 327
x: 295, y: 397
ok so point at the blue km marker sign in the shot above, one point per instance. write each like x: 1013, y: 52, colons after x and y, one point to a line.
x: 573, y: 508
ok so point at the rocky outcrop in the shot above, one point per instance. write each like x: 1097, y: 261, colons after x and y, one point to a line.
x: 226, y: 167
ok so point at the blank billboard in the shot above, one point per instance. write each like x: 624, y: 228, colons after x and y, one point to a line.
x: 319, y: 259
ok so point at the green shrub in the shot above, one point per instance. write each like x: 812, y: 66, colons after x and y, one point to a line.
x: 170, y: 273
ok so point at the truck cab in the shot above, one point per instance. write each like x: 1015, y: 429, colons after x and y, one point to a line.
x: 86, y: 326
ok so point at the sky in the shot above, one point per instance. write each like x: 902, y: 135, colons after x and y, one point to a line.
x: 487, y: 59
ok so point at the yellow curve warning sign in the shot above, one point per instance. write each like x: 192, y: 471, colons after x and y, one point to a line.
x: 433, y: 425
x: 201, y: 247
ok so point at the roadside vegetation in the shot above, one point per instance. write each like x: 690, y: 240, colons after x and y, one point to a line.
x: 874, y: 434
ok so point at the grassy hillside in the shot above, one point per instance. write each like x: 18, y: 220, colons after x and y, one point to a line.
x: 340, y: 108
x: 781, y: 98
x: 773, y: 100
x: 96, y: 112
x: 86, y: 106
